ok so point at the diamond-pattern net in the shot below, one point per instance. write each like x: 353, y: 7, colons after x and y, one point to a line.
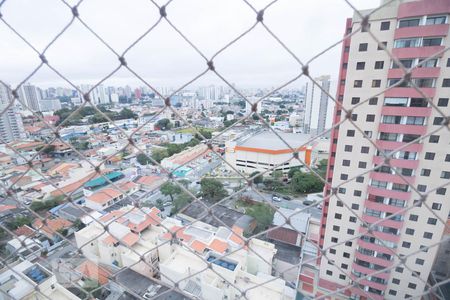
x: 9, y: 191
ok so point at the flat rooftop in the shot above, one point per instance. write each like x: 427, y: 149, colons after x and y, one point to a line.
x: 269, y: 140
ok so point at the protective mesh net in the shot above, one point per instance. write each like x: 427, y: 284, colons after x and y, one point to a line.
x: 68, y: 270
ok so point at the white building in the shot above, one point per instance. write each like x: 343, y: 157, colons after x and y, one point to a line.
x: 49, y: 105
x: 30, y: 95
x: 11, y: 126
x: 97, y: 95
x: 266, y: 150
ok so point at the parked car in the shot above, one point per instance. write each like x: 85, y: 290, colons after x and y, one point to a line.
x: 307, y: 202
x: 276, y: 198
x: 287, y: 198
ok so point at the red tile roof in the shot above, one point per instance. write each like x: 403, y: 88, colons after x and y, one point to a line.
x: 91, y: 270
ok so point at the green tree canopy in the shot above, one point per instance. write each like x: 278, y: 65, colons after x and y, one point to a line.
x: 164, y: 124
x: 180, y: 202
x: 306, y: 183
x: 212, y: 189
x: 143, y: 159
x: 170, y: 189
x: 263, y: 215
x: 159, y: 154
x: 257, y: 179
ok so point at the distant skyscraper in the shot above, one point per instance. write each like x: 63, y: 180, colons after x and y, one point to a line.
x: 30, y: 96
x: 98, y: 94
x: 49, y: 104
x: 11, y: 126
x: 317, y: 105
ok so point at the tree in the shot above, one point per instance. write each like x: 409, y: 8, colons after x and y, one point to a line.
x: 159, y: 154
x: 164, y: 124
x: 257, y: 179
x: 277, y: 175
x: 78, y: 224
x: 306, y: 183
x: 143, y: 159
x: 207, y: 134
x: 212, y: 189
x: 170, y: 189
x: 263, y: 215
x: 48, y: 149
x: 127, y: 113
x: 18, y: 221
x: 228, y: 123
x: 46, y: 205
x: 292, y: 171
x: 180, y: 202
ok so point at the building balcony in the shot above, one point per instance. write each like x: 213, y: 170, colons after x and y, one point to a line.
x: 403, y: 128
x: 365, y: 295
x: 398, y: 163
x: 380, y: 235
x: 375, y: 285
x: 369, y: 271
x: 396, y: 92
x: 416, y: 73
x: 373, y: 260
x: 390, y: 145
x: 426, y: 31
x: 382, y: 207
x: 392, y: 177
x: 420, y: 8
x: 374, y: 247
x: 382, y: 222
x: 414, y: 52
x: 388, y: 193
x: 406, y: 111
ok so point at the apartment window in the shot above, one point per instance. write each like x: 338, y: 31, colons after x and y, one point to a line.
x: 443, y: 102
x: 429, y: 155
x: 363, y: 47
x: 441, y: 191
x: 392, y: 119
x: 350, y: 132
x: 408, y: 23
x: 428, y: 63
x: 343, y: 82
x: 360, y: 179
x: 436, y: 206
x: 438, y: 120
x: 407, y: 63
x: 357, y: 193
x: 355, y: 100
x: 344, y: 176
x: 339, y: 203
x: 333, y: 251
x: 357, y: 83
x: 342, y: 276
x: 412, y: 285
x: 354, y: 117
x: 425, y: 82
x: 350, y: 231
x: 407, y: 138
x: 418, y: 102
x: 446, y: 82
x: 338, y: 216
x: 392, y: 292
x: 386, y: 136
x: 360, y: 65
x: 399, y: 269
x: 409, y: 231
x: 395, y: 101
x: 432, y: 221
x: 344, y: 266
x: 385, y: 25
x: 407, y: 43
x: 355, y: 206
x: 445, y: 175
x: 381, y: 45
x: 329, y: 272
x: 415, y: 120
x: 448, y: 62
x: 347, y: 49
x: 413, y: 217
x: 406, y: 245
x: 421, y: 188
x: 352, y: 219
x: 364, y: 149
x: 425, y: 172
x: 348, y: 148
x: 344, y: 66
x: 379, y: 65
x: 373, y: 101
x: 362, y: 165
x: 370, y: 118
x: 433, y: 139
x: 336, y: 228
x: 342, y: 190
x: 447, y: 157
x: 346, y: 255
x: 349, y: 30
x: 395, y: 281
x: 436, y: 20
x: 377, y: 83
x: 427, y: 42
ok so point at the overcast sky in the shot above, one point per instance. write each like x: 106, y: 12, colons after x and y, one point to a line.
x: 163, y: 58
